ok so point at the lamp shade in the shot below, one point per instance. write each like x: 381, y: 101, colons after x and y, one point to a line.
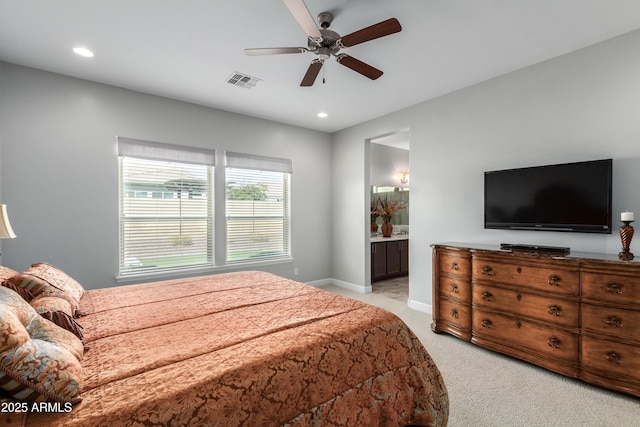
x: 6, y: 232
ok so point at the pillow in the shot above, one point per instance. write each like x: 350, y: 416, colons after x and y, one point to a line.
x: 45, y: 279
x: 6, y: 275
x: 38, y: 360
x: 59, y: 311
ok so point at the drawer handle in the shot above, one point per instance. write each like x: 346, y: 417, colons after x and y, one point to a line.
x: 487, y: 296
x: 487, y: 271
x: 486, y: 323
x: 614, y: 357
x: 554, y: 342
x: 555, y: 310
x: 614, y: 288
x: 454, y: 288
x: 554, y: 280
x: 454, y: 265
x: 454, y: 313
x: 614, y: 322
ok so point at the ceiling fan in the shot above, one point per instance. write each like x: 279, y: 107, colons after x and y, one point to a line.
x: 325, y: 43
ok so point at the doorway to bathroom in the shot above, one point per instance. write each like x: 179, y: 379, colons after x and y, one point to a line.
x: 389, y: 204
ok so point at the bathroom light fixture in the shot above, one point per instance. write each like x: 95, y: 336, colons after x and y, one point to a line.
x: 322, y: 115
x: 404, y: 177
x: 83, y: 51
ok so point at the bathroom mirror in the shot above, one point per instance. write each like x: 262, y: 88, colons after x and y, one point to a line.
x: 379, y: 193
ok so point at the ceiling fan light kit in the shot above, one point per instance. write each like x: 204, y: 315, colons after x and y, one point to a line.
x: 325, y: 43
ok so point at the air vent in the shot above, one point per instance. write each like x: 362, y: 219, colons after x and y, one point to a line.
x: 242, y: 80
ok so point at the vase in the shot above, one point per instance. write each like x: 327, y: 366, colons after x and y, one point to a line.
x: 374, y: 226
x: 387, y: 228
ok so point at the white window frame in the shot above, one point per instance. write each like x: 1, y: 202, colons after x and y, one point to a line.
x: 264, y: 240
x: 165, y: 155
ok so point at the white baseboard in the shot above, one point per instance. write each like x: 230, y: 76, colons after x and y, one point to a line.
x: 320, y: 283
x: 420, y: 306
x: 413, y: 304
x: 341, y: 284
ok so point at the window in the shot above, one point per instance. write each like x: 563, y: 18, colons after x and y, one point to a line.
x: 257, y: 208
x: 166, y: 213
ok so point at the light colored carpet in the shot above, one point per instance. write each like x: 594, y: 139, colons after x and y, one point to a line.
x: 487, y: 389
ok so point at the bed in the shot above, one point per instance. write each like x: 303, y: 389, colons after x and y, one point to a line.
x: 233, y: 349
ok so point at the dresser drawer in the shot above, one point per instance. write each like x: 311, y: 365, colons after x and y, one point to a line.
x: 611, y: 358
x: 455, y: 314
x: 612, y: 322
x: 451, y: 264
x: 453, y: 287
x: 539, y: 340
x: 554, y: 311
x: 616, y: 289
x: 548, y: 278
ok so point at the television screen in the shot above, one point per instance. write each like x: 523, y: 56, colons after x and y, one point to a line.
x: 565, y: 197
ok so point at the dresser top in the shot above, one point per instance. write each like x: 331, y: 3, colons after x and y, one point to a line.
x: 577, y: 256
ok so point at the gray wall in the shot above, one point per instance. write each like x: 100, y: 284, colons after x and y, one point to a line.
x: 59, y: 169
x: 386, y: 164
x: 59, y: 172
x: 580, y: 106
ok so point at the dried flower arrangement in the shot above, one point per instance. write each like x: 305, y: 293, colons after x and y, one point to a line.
x: 386, y: 209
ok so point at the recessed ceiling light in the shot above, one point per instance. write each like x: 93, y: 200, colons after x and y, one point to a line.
x: 322, y: 115
x: 83, y: 51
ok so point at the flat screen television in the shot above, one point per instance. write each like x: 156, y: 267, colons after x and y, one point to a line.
x: 565, y: 197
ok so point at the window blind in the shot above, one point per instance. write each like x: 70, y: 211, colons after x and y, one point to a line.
x: 150, y: 150
x: 257, y: 208
x: 253, y: 162
x: 166, y: 214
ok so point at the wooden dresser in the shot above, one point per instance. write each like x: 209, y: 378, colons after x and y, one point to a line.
x: 577, y: 314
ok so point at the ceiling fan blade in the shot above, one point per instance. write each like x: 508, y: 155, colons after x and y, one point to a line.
x: 359, y: 66
x: 375, y: 31
x: 300, y: 12
x: 274, y: 50
x: 312, y: 72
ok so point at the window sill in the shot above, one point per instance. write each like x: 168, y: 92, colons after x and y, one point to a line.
x: 197, y: 271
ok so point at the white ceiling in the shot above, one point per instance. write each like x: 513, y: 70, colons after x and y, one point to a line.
x: 187, y: 49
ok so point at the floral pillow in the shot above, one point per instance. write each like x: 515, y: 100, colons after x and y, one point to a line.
x: 47, y: 280
x: 6, y: 273
x: 6, y: 277
x: 38, y: 360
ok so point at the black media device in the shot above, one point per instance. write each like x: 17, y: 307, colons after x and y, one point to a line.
x: 536, y: 248
x: 572, y: 197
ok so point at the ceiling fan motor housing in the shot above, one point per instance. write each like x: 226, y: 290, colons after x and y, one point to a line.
x: 327, y: 46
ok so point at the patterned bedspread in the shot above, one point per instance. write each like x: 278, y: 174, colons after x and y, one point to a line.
x: 248, y: 349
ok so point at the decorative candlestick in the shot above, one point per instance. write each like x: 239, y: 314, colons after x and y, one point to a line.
x: 626, y: 234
